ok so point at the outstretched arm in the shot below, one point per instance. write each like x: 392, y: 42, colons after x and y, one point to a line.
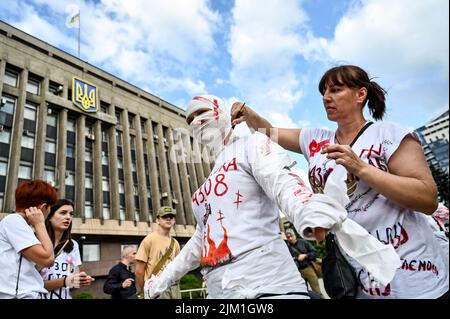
x: 270, y: 166
x: 288, y: 138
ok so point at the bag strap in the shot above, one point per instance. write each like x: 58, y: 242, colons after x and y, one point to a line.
x: 163, y: 260
x: 18, y: 275
x: 62, y: 248
x: 361, y: 131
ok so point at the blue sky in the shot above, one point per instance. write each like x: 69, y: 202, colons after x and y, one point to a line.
x: 270, y: 54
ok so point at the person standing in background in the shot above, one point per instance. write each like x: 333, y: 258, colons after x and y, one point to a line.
x: 121, y: 283
x: 156, y: 251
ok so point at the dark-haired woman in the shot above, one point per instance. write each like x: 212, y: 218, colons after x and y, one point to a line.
x: 388, y: 180
x: 64, y: 274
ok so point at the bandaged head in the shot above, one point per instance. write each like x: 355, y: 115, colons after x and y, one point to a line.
x: 211, y: 126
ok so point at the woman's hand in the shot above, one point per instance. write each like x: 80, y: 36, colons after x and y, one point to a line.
x: 34, y: 216
x: 240, y: 112
x: 344, y: 155
x: 77, y: 280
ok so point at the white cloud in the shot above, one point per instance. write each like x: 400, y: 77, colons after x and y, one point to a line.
x: 402, y: 37
x: 162, y: 45
x: 405, y: 44
x: 264, y: 43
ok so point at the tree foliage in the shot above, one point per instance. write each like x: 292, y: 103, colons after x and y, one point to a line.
x: 441, y: 178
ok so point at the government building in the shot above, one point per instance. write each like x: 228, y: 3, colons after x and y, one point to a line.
x: 117, y: 151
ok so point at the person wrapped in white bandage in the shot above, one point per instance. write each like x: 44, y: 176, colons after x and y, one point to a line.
x: 237, y: 241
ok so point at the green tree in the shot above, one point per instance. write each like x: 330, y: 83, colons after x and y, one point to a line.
x: 191, y: 281
x: 441, y: 178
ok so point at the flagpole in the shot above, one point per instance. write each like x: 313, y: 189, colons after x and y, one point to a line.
x: 79, y: 27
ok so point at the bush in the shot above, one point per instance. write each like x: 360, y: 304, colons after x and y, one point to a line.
x: 84, y: 295
x: 191, y: 281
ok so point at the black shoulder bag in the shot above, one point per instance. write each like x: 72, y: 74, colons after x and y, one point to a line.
x: 339, y: 277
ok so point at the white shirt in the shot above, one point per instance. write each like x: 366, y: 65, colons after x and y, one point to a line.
x: 65, y: 264
x: 423, y: 273
x: 237, y: 241
x: 15, y: 236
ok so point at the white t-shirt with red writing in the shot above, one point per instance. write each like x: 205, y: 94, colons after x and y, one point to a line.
x: 423, y: 273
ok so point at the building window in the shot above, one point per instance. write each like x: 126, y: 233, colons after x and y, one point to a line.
x: 7, y: 105
x: 71, y: 125
x: 118, y: 113
x: 105, y: 186
x: 105, y: 159
x: 104, y: 107
x: 11, y: 78
x: 5, y: 136
x: 88, y: 154
x: 106, y: 213
x: 91, y: 252
x: 70, y: 151
x: 33, y: 85
x: 50, y: 147
x: 55, y: 88
x: 25, y: 172
x: 119, y: 138
x: 27, y: 142
x: 70, y: 178
x: 104, y: 136
x: 30, y: 112
x: 49, y: 175
x: 88, y: 182
x: 119, y: 163
x: 88, y: 210
x: 121, y: 188
x: 122, y: 213
x: 131, y: 120
x: 3, y: 169
x: 51, y: 119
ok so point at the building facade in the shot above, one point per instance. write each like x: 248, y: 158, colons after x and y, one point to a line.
x: 434, y: 137
x: 117, y: 151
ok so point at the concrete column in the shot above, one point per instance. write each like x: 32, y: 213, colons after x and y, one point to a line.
x: 127, y: 170
x: 198, y: 163
x: 61, y: 153
x: 155, y: 191
x: 97, y: 166
x: 67, y: 84
x: 187, y: 191
x: 80, y: 165
x: 164, y: 171
x: 41, y: 133
x: 140, y: 163
x: 113, y: 170
x: 173, y: 162
x: 16, y: 139
x: 2, y: 72
x: 190, y: 163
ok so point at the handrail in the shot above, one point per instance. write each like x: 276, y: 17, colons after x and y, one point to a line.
x: 190, y: 291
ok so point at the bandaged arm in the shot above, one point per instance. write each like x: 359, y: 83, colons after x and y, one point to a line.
x: 271, y: 166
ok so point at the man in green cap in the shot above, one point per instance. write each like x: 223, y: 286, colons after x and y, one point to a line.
x: 156, y: 250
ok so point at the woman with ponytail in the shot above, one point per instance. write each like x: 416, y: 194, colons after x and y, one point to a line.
x: 64, y: 274
x: 389, y: 184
